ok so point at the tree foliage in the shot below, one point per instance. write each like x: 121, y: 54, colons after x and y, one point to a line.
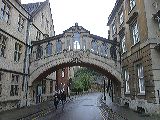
x: 83, y: 78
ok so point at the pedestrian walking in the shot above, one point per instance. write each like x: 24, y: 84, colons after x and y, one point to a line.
x: 63, y: 98
x: 56, y: 101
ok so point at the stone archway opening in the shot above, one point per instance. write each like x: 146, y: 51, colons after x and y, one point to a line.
x: 113, y: 84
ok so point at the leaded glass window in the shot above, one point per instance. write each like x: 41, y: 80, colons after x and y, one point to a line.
x: 58, y: 46
x: 76, y: 43
x: 49, y: 49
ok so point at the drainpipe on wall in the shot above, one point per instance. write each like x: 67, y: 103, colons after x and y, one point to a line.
x: 26, y: 63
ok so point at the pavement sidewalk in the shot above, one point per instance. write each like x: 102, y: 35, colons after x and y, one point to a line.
x: 18, y: 113
x: 126, y: 112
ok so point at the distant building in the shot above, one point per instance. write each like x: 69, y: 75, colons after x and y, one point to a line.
x: 136, y: 25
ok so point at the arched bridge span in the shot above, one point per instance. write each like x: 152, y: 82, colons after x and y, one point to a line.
x: 76, y: 46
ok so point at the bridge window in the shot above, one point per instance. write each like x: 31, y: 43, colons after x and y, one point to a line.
x: 68, y: 45
x: 84, y: 44
x: 63, y: 72
x: 113, y: 52
x: 39, y: 53
x: 94, y: 46
x: 76, y: 41
x: 58, y: 46
x: 49, y: 49
x: 104, y: 50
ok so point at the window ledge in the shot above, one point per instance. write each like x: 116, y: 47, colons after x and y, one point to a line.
x: 3, y: 57
x: 135, y: 44
x: 127, y: 93
x: 124, y: 52
x: 141, y: 94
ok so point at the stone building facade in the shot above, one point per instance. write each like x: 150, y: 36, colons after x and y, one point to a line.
x: 19, y: 25
x: 136, y: 25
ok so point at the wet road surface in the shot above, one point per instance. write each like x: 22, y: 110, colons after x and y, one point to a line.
x: 92, y: 107
x: 84, y: 107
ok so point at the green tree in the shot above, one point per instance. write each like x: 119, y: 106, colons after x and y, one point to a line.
x: 83, y: 79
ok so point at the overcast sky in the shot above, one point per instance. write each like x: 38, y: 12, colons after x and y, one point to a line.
x: 91, y: 14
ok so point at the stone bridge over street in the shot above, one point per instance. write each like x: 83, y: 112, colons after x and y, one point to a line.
x: 76, y: 46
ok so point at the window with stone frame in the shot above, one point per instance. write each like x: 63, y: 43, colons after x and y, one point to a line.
x: 58, y: 46
x: 49, y: 49
x: 76, y: 43
x: 121, y: 17
x: 39, y: 52
x: 114, y: 28
x: 1, y: 83
x: 132, y: 3
x: 63, y: 72
x: 68, y: 44
x: 38, y: 36
x: 5, y: 11
x: 17, y: 52
x: 51, y: 86
x: 20, y: 23
x: 43, y: 86
x: 42, y: 17
x: 140, y: 75
x: 123, y: 44
x: 47, y: 24
x: 94, y: 46
x: 14, y: 85
x: 104, y: 49
x: 134, y: 32
x: 84, y: 44
x: 126, y: 80
x: 0, y: 89
x: 3, y: 40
